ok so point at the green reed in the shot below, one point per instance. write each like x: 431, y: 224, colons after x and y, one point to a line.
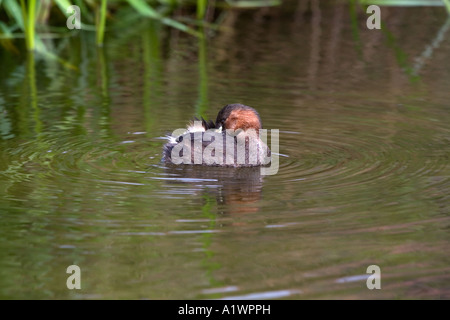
x: 26, y: 15
x: 201, y: 8
x: 447, y: 5
x: 20, y: 18
x: 100, y: 22
x: 29, y: 20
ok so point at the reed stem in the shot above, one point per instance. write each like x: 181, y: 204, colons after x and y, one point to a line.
x: 29, y: 21
x: 101, y: 20
x: 447, y: 4
x: 201, y: 8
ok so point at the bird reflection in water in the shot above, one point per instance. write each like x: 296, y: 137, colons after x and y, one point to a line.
x: 236, y: 190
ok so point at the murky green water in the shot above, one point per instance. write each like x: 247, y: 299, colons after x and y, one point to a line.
x: 364, y: 166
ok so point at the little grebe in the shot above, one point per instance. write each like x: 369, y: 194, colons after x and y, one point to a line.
x: 233, y: 140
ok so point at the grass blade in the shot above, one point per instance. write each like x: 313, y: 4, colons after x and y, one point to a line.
x: 144, y: 9
x: 447, y: 5
x: 31, y: 23
x: 253, y: 3
x: 14, y: 10
x: 201, y: 8
x: 29, y: 17
x: 406, y: 3
x: 101, y: 19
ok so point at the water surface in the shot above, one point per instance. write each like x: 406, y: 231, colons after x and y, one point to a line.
x: 364, y: 166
